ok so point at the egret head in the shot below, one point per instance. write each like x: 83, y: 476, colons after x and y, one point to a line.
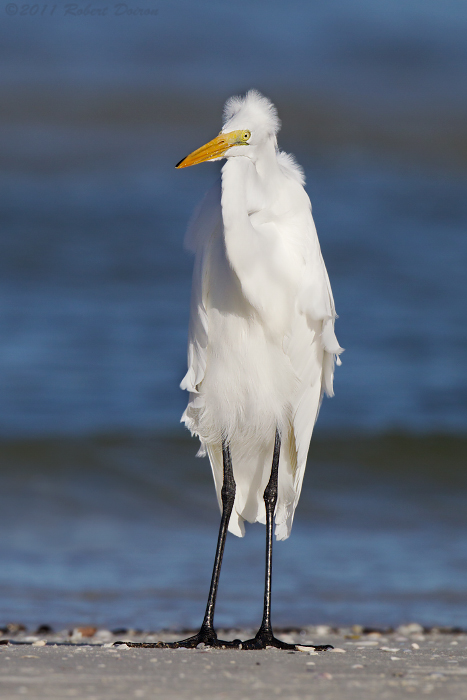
x: 249, y: 123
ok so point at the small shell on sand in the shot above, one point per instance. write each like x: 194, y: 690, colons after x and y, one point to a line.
x: 87, y: 631
x: 411, y: 628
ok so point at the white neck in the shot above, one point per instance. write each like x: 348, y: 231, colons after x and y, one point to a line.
x: 250, y: 191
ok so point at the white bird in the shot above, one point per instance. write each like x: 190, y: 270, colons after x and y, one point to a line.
x: 262, y: 346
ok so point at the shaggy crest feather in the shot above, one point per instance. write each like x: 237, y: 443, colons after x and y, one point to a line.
x: 255, y: 110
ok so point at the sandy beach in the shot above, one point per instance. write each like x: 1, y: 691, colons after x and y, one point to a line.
x: 408, y: 662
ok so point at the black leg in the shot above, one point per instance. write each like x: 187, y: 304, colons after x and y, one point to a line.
x: 265, y: 636
x: 207, y: 635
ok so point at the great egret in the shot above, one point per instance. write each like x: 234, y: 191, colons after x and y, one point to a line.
x: 262, y: 345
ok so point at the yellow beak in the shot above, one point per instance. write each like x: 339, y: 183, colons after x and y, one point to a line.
x: 214, y: 149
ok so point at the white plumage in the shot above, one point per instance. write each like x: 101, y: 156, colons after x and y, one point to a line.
x: 262, y: 345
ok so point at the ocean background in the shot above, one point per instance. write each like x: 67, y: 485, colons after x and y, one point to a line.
x: 106, y: 516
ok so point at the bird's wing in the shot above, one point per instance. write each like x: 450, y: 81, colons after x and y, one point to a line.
x: 315, y: 299
x: 312, y: 348
x: 205, y: 224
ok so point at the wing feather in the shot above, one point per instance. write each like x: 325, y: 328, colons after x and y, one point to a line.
x: 205, y: 224
x: 312, y: 348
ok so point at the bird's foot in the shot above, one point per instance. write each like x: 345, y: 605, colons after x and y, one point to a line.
x: 206, y: 636
x: 265, y: 638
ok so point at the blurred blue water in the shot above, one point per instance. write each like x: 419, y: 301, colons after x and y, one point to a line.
x: 121, y: 532
x: 391, y: 51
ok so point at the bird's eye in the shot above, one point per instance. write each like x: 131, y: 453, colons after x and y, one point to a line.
x: 246, y: 135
